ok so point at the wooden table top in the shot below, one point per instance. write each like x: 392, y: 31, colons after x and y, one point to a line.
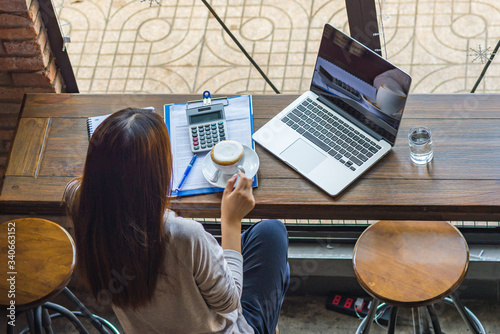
x: 461, y: 183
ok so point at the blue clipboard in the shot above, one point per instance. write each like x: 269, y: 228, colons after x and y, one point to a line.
x: 210, y: 189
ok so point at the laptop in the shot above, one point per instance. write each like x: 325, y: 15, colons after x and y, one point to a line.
x: 347, y: 121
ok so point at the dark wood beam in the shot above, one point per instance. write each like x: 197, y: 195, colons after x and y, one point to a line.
x: 56, y: 42
x: 363, y: 24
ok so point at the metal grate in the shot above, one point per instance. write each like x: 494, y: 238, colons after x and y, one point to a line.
x: 351, y: 222
x: 475, y: 223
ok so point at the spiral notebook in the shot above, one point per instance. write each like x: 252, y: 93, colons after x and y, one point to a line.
x: 94, y: 122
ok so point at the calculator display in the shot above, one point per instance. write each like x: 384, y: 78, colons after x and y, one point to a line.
x: 206, y: 126
x: 206, y: 117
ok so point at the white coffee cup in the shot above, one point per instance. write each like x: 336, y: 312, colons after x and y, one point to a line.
x: 390, y: 100
x: 226, y: 156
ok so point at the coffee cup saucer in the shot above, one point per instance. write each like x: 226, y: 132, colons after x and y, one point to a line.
x: 372, y: 103
x: 250, y: 163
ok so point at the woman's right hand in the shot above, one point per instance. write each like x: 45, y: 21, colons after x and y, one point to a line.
x: 237, y: 202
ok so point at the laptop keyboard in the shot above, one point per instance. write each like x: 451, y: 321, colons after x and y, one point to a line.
x: 331, y: 134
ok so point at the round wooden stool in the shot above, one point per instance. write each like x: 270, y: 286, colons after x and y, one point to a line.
x: 38, y: 258
x: 412, y: 264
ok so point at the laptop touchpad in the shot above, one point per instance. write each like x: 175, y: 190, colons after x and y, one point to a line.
x: 302, y: 156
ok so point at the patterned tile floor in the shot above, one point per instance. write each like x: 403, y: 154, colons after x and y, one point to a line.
x: 178, y: 47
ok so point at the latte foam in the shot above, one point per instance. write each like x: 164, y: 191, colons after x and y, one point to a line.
x: 227, y: 152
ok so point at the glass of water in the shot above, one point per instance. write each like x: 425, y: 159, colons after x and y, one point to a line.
x: 420, y: 141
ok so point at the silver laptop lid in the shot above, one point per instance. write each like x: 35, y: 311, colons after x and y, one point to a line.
x: 371, y: 91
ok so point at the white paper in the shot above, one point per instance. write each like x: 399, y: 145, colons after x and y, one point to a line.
x: 239, y: 128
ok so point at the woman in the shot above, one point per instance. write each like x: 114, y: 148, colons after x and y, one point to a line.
x: 164, y: 273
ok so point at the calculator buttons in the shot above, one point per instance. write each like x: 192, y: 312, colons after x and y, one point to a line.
x: 205, y: 136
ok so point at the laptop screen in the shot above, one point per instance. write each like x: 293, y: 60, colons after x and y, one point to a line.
x: 363, y: 84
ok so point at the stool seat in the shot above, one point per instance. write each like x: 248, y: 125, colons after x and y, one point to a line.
x: 410, y: 263
x: 44, y: 260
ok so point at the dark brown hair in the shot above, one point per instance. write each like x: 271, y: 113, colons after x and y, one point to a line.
x: 118, y: 217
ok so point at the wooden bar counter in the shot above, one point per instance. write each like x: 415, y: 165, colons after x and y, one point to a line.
x: 461, y: 183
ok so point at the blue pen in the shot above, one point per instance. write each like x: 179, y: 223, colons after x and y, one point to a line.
x: 186, y: 173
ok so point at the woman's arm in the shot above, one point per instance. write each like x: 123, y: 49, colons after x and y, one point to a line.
x: 236, y: 204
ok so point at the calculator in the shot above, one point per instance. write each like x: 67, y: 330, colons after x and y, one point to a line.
x: 207, y: 126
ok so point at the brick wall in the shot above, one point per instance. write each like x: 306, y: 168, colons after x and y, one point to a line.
x: 26, y: 65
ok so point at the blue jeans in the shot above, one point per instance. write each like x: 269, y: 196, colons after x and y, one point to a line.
x: 266, y: 274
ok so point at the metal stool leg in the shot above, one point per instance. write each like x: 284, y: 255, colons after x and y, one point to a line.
x: 10, y: 329
x: 67, y: 314
x: 434, y: 319
x: 31, y: 321
x: 417, y: 329
x: 96, y: 323
x: 46, y: 321
x: 392, y: 320
x: 420, y: 320
x: 424, y: 318
x: 467, y: 316
x: 365, y: 325
x: 38, y: 320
